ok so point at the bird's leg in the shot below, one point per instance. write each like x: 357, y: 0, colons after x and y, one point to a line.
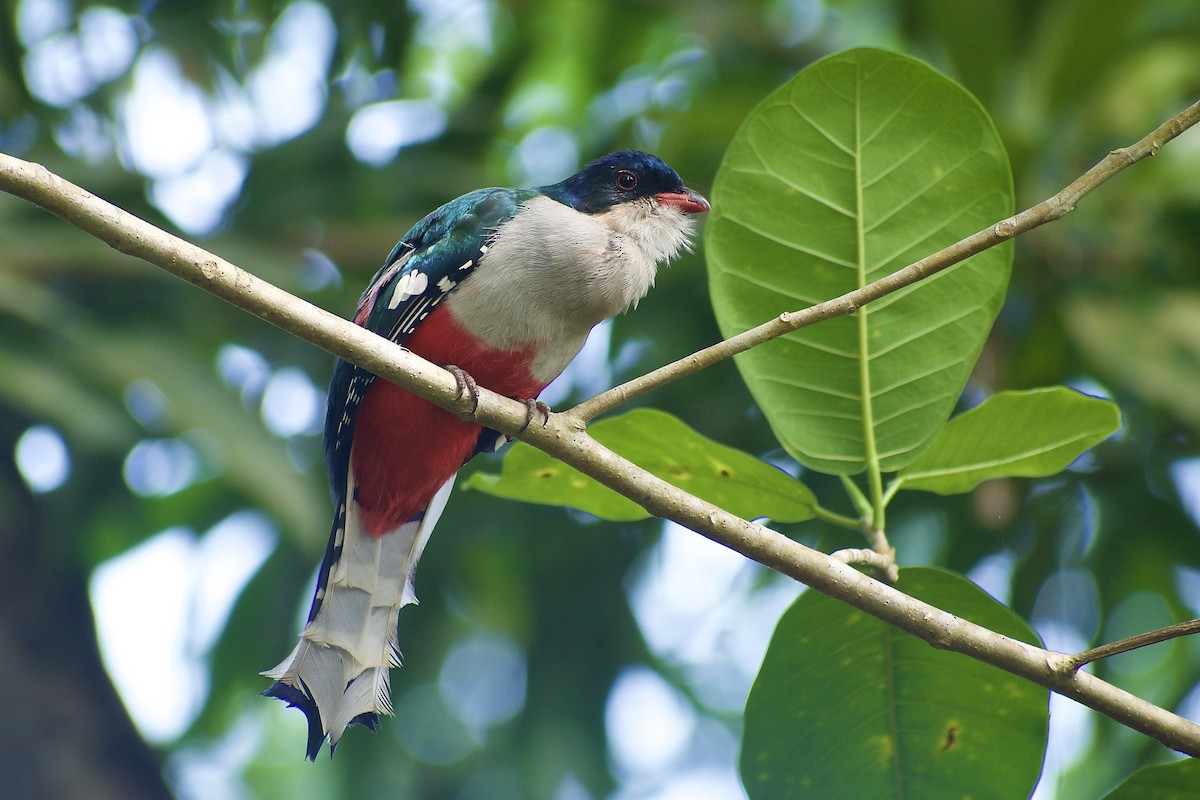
x: 467, y: 387
x: 531, y: 407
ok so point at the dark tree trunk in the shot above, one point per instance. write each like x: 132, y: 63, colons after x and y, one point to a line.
x: 64, y: 733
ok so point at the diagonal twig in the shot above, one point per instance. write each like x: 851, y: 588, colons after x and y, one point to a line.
x: 564, y: 436
x: 1188, y: 628
x: 1053, y: 208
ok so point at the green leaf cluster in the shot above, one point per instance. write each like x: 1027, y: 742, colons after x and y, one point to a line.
x: 1104, y: 300
x: 862, y: 163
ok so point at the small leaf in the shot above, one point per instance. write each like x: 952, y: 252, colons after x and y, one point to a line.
x: 1026, y: 434
x: 1178, y: 781
x: 848, y: 706
x: 666, y: 447
x: 530, y: 475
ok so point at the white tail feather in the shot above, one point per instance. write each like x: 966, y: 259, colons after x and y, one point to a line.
x: 340, y: 666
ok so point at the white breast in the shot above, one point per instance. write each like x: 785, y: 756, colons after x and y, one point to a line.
x: 552, y: 273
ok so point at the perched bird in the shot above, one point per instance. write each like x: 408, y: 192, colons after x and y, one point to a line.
x: 502, y: 287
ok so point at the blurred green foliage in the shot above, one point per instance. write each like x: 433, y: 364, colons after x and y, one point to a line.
x: 1099, y: 300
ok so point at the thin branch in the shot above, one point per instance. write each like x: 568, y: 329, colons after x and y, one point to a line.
x: 1048, y: 210
x: 1134, y: 642
x: 564, y: 437
x: 133, y: 236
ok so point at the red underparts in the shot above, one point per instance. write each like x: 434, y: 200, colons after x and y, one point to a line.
x: 405, y: 448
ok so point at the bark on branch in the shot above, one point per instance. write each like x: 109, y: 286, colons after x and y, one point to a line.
x: 564, y: 436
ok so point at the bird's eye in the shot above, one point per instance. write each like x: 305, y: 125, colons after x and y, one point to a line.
x: 626, y: 181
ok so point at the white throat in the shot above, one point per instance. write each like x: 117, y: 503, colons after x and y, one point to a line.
x: 552, y: 273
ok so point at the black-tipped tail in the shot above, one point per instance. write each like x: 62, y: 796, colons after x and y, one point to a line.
x: 295, y: 698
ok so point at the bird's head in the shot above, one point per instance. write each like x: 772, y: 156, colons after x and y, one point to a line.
x: 620, y: 178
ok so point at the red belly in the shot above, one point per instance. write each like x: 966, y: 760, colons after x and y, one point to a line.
x: 405, y: 448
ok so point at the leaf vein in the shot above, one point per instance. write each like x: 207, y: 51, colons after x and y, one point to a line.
x: 800, y: 112
x: 913, y: 378
x: 925, y: 237
x: 1000, y: 462
x: 895, y: 112
x: 790, y: 245
x: 762, y: 284
x: 923, y: 402
x: 922, y: 192
x: 808, y: 386
x: 909, y: 156
x: 895, y: 344
x: 766, y: 171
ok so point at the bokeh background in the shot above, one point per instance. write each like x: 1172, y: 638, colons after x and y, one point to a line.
x: 162, y: 496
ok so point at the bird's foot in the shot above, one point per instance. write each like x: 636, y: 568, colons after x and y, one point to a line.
x: 467, y: 387
x: 532, y: 407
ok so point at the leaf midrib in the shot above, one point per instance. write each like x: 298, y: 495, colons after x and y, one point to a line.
x: 870, y: 446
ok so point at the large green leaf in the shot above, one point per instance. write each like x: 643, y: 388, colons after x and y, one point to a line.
x: 1027, y: 434
x: 864, y: 162
x: 1178, y: 781
x: 666, y: 447
x: 848, y: 706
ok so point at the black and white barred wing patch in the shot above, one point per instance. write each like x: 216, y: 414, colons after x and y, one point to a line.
x: 434, y: 258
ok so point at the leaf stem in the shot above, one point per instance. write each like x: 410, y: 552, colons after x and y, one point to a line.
x: 892, y: 488
x: 866, y: 396
x: 857, y: 497
x: 834, y: 518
